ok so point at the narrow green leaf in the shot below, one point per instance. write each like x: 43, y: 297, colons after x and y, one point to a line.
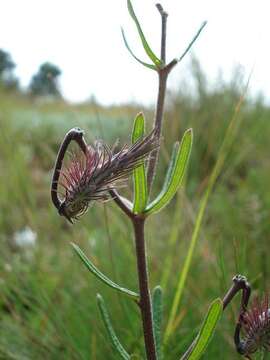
x: 171, y: 167
x: 157, y: 318
x: 139, y: 175
x: 107, y: 322
x: 91, y: 267
x: 175, y: 173
x: 147, y: 48
x: 192, y: 41
x: 138, y: 128
x: 199, y: 345
x: 150, y: 66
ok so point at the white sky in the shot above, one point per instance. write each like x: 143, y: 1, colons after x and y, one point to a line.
x: 83, y: 38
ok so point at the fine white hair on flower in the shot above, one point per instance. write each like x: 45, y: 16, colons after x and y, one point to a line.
x: 264, y: 315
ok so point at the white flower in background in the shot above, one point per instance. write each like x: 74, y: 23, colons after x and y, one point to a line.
x: 25, y: 237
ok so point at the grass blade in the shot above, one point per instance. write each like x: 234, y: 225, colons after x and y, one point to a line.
x: 202, y: 340
x: 172, y: 241
x: 150, y: 66
x: 107, y: 322
x: 222, y: 154
x: 139, y: 176
x: 92, y: 268
x: 175, y: 174
x: 157, y: 301
x: 145, y: 44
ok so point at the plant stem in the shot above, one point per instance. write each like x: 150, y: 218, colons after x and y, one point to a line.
x: 145, y: 300
x: 160, y: 104
x: 164, y: 17
x: 239, y: 283
x: 122, y: 203
x: 162, y: 82
x: 138, y: 222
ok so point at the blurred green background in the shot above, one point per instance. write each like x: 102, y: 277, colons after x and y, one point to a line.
x: 48, y: 304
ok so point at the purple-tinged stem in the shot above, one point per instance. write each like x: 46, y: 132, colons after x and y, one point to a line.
x: 145, y: 299
x: 239, y: 283
x: 162, y: 83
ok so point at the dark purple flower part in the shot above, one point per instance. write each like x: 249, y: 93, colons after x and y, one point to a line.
x: 92, y: 174
x: 256, y: 328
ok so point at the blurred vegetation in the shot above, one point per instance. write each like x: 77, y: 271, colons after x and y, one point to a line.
x: 47, y: 298
x: 45, y: 81
x: 8, y: 81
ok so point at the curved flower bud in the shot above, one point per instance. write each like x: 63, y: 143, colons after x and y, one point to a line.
x: 97, y: 170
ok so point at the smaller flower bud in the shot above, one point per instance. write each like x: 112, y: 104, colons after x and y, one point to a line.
x: 256, y: 328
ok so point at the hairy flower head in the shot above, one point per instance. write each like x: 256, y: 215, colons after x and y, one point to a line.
x: 92, y: 174
x: 256, y: 327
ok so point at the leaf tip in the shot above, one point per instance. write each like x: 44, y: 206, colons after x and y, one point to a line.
x: 219, y: 300
x: 129, y: 6
x: 204, y: 23
x: 189, y: 132
x: 158, y: 290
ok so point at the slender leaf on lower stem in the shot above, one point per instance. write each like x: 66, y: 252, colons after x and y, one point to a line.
x: 202, y: 340
x: 107, y: 322
x: 97, y: 273
x: 145, y: 44
x: 139, y: 176
x: 150, y: 66
x: 157, y: 301
x: 175, y: 174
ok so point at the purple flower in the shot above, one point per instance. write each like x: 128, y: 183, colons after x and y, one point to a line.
x: 256, y: 328
x: 96, y: 171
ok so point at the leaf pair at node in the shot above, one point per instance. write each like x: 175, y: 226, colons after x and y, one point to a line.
x: 174, y: 177
x: 157, y: 63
